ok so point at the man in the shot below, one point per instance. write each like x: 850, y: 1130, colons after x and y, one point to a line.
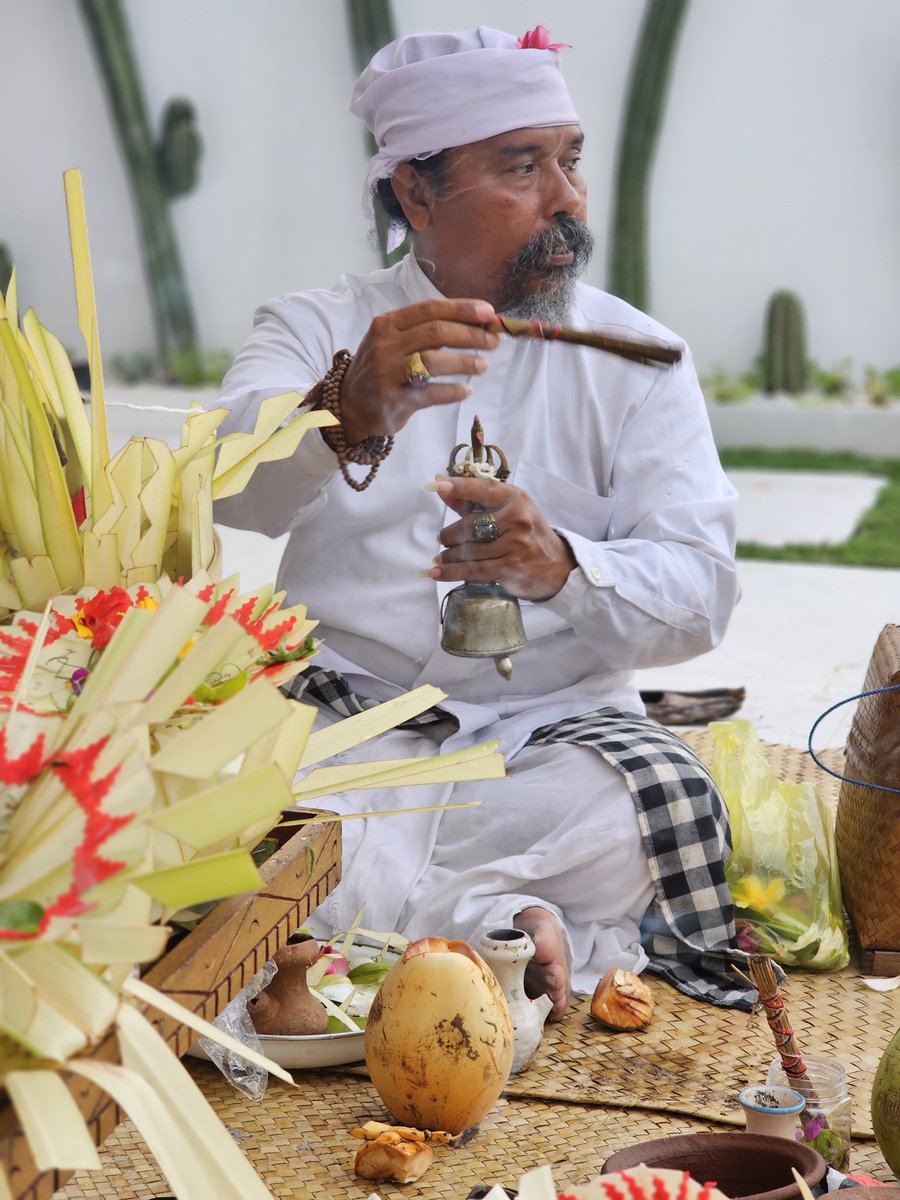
x: 615, y: 531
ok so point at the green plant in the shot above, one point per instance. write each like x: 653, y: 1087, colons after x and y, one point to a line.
x: 136, y: 367
x: 784, y: 352
x: 173, y: 313
x: 836, y: 381
x: 882, y: 386
x: 644, y: 105
x: 205, y: 368
x: 728, y: 387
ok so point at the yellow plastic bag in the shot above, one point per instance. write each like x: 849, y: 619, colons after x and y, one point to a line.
x: 783, y: 872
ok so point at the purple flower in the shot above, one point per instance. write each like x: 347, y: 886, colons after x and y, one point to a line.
x: 813, y: 1128
x: 78, y: 680
x: 747, y: 939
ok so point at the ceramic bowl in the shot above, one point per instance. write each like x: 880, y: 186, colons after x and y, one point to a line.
x: 745, y: 1166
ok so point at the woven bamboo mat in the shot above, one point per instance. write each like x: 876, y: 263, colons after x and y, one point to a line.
x: 299, y: 1142
x: 590, y: 1091
x: 694, y: 1058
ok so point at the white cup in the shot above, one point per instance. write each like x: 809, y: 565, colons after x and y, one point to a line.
x: 771, y: 1110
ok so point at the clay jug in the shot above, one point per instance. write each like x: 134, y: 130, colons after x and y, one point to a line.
x: 507, y: 952
x: 886, y: 1104
x: 286, y: 1006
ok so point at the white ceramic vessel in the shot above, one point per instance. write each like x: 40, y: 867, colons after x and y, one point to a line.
x: 508, y: 952
x: 771, y: 1110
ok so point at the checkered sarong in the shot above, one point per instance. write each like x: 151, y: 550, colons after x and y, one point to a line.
x: 688, y: 929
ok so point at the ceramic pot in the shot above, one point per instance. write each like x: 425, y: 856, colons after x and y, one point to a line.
x: 508, y: 952
x: 745, y: 1166
x: 771, y: 1110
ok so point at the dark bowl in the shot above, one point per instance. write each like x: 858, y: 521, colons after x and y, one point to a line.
x: 745, y: 1166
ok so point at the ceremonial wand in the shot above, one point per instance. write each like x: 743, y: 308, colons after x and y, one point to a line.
x: 776, y: 1015
x: 632, y: 348
x: 827, y: 1126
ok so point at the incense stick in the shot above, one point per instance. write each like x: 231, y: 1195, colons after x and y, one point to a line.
x: 637, y: 351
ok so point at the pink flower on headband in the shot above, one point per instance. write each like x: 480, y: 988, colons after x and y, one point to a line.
x: 539, y: 39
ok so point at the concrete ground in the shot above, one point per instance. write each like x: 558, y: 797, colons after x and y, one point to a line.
x: 800, y: 639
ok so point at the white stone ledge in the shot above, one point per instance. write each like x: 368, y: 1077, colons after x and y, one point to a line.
x: 778, y: 423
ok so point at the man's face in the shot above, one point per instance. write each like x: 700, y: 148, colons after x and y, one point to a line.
x: 506, y: 223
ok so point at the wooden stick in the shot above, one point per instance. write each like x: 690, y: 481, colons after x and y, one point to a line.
x: 637, y: 351
x: 776, y: 1014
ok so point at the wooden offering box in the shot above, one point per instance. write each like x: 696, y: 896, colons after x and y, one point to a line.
x: 203, y: 972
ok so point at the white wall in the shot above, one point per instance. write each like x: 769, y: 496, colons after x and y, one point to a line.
x: 778, y: 163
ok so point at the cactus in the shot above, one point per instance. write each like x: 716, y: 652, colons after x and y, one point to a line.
x: 650, y: 71
x: 371, y: 27
x: 172, y: 310
x: 784, y: 353
x: 179, y: 148
x: 6, y: 267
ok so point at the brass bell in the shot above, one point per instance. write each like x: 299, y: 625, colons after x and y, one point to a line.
x: 482, y: 620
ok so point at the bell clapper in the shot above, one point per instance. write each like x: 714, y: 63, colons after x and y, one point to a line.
x: 504, y: 666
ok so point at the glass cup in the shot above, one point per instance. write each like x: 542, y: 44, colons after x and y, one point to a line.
x: 826, y: 1121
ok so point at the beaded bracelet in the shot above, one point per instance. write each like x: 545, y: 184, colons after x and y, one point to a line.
x: 371, y: 451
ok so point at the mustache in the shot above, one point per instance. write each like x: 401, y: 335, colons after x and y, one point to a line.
x: 567, y: 235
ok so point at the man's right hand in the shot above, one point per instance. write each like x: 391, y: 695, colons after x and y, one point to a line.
x: 449, y: 334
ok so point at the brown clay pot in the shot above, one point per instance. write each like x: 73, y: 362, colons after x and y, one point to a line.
x: 286, y: 1006
x: 745, y: 1166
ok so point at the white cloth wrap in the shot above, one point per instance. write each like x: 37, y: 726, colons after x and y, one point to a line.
x: 559, y: 832
x: 430, y: 91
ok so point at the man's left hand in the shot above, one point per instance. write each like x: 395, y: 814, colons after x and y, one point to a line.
x: 527, y: 557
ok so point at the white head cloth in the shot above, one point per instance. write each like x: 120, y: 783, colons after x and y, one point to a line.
x: 428, y: 92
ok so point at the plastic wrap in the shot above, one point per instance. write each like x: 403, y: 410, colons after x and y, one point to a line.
x: 783, y: 872
x: 234, y: 1019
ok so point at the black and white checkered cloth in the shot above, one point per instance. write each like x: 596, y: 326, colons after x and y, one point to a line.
x: 331, y: 689
x: 688, y: 930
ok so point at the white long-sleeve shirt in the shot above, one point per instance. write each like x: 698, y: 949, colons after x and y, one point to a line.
x: 618, y: 456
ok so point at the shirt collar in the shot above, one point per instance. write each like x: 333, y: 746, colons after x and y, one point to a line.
x: 415, y: 282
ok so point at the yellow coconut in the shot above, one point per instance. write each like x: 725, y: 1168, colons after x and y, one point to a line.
x: 439, y: 1037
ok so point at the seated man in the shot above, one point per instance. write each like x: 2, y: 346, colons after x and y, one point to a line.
x: 615, y: 530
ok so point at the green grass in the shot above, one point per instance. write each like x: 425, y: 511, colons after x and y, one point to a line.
x: 876, y: 539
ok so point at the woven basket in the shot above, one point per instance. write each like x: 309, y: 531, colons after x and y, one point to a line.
x: 867, y: 830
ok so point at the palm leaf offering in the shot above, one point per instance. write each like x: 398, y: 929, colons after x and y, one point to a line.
x: 72, y: 514
x: 145, y: 748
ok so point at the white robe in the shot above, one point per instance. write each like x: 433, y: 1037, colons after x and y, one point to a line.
x: 620, y: 459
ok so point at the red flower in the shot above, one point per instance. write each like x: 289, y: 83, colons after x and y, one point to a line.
x: 99, y: 617
x: 539, y: 39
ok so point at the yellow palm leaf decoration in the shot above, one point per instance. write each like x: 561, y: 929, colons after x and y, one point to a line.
x: 70, y: 513
x: 144, y: 745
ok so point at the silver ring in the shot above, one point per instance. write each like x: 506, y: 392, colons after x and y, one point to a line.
x: 484, y: 527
